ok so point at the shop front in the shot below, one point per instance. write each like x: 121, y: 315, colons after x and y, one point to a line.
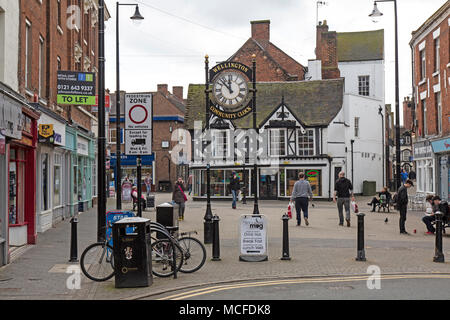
x: 129, y: 173
x: 441, y: 150
x: 425, y: 166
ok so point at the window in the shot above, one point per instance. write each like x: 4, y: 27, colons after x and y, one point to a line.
x: 277, y: 142
x: 45, y: 186
x: 112, y: 135
x: 219, y: 143
x: 406, y: 155
x: 422, y: 64
x: 59, y: 13
x: 424, y: 118
x: 356, y: 127
x: 86, y: 28
x: 16, y: 186
x: 28, y: 54
x: 436, y: 54
x: 438, y: 112
x: 58, y: 59
x: 41, y: 66
x: 306, y: 143
x: 363, y: 85
x: 57, y: 181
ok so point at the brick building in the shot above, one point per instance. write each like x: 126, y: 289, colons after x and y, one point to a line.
x: 431, y: 97
x: 60, y: 35
x: 168, y: 115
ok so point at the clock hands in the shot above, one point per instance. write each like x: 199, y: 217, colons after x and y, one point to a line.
x: 223, y: 81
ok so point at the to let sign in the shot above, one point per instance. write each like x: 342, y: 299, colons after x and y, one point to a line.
x: 76, y: 88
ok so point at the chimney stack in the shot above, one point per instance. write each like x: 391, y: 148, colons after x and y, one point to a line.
x: 326, y: 51
x: 163, y: 89
x: 178, y: 92
x: 261, y: 31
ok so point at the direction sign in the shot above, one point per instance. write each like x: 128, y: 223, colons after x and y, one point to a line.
x: 138, y: 142
x: 138, y: 111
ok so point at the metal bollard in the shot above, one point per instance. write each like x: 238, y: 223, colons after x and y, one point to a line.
x: 73, y: 240
x: 438, y: 254
x: 216, y: 239
x: 361, y: 256
x: 285, y: 249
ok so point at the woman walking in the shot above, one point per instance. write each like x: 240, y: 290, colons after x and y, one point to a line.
x: 301, y: 194
x: 179, y: 197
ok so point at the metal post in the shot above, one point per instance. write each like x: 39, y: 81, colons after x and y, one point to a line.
x: 139, y: 185
x: 101, y: 142
x: 361, y: 256
x: 73, y: 240
x: 438, y: 254
x: 397, y: 107
x: 216, y: 239
x: 255, y: 166
x: 118, y: 151
x: 351, y: 142
x: 285, y: 249
x: 208, y: 225
x: 244, y: 187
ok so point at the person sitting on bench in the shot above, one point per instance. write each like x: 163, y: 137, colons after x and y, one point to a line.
x: 134, y: 195
x: 385, y: 198
x: 438, y: 205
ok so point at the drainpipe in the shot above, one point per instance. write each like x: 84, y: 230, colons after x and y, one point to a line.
x: 352, y: 141
x: 329, y: 177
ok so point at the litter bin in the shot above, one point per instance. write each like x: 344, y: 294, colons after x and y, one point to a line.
x: 132, y: 253
x: 369, y: 188
x: 167, y: 215
x: 150, y: 201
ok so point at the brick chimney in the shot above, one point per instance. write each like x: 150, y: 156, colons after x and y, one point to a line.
x: 261, y: 31
x: 163, y: 88
x: 178, y: 92
x: 326, y: 51
x: 408, y: 108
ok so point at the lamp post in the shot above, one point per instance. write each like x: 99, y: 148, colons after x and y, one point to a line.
x: 136, y: 17
x: 380, y: 112
x: 376, y: 13
x: 255, y: 127
x: 208, y: 223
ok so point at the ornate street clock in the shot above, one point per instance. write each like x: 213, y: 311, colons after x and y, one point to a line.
x: 230, y: 90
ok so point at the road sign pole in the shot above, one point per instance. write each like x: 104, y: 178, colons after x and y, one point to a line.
x: 139, y: 185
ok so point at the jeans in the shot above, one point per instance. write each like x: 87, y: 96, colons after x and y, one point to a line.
x: 402, y: 219
x: 234, y: 193
x: 190, y: 189
x: 181, y: 209
x: 346, y: 203
x: 301, y: 204
x: 428, y: 220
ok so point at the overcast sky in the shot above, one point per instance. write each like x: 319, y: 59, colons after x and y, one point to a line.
x: 170, y: 44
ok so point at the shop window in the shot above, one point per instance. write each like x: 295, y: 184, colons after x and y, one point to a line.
x: 45, y: 186
x: 16, y: 186
x: 240, y: 175
x: 306, y: 143
x: 314, y: 176
x: 57, y: 181
x: 74, y: 180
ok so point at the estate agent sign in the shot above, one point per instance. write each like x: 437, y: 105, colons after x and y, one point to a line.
x: 75, y: 87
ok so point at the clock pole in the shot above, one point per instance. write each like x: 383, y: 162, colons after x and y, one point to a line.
x: 208, y: 224
x: 255, y: 166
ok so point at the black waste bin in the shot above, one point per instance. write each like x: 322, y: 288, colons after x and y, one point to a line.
x: 167, y: 215
x: 132, y: 253
x: 150, y: 201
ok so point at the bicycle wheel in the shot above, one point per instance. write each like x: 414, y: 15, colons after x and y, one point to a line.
x: 194, y: 254
x: 97, y: 262
x: 162, y: 258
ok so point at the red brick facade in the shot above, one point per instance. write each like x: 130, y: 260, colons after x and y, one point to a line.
x: 48, y: 21
x: 326, y: 51
x: 272, y: 64
x: 435, y: 80
x: 408, y: 113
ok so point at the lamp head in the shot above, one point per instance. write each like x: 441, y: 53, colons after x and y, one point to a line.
x: 375, y: 13
x: 137, y: 17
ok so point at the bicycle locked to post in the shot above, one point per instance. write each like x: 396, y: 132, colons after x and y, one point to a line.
x: 97, y: 260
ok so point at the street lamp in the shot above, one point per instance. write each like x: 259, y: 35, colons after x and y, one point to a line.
x: 376, y: 13
x: 380, y: 112
x: 137, y: 18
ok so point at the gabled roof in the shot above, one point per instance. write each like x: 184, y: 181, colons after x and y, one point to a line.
x: 360, y: 46
x: 315, y: 103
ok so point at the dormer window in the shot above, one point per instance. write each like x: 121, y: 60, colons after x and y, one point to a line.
x: 305, y: 142
x: 277, y: 138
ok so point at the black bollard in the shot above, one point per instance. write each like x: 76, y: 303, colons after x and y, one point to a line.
x: 285, y: 256
x: 73, y: 240
x: 438, y: 254
x: 216, y: 239
x: 361, y: 256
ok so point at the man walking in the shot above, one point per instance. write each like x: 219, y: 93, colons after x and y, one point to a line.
x: 301, y: 193
x: 234, y: 187
x: 343, y: 190
x: 402, y: 203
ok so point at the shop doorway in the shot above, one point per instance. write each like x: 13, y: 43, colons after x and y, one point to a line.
x: 268, y: 184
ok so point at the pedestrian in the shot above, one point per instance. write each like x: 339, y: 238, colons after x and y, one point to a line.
x: 301, y: 194
x: 343, y: 190
x: 402, y: 204
x: 412, y: 175
x: 148, y: 184
x: 179, y: 197
x: 384, y: 195
x: 404, y: 175
x: 234, y: 187
x: 429, y: 217
x: 134, y: 195
x: 190, y: 183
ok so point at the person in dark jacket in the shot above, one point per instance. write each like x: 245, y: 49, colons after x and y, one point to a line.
x: 387, y: 198
x: 234, y: 187
x: 437, y: 205
x: 179, y: 197
x: 343, y: 190
x: 402, y: 203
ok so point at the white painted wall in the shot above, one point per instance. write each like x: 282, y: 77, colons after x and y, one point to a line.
x: 375, y: 69
x: 9, y: 43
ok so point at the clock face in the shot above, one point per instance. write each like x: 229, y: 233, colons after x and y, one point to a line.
x: 230, y: 89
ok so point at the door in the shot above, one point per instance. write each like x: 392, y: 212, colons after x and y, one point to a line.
x: 268, y: 184
x: 336, y: 173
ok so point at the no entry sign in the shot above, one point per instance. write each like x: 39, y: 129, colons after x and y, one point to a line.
x: 138, y: 111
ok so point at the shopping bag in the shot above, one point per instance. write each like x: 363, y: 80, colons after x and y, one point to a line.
x: 239, y: 195
x: 354, y: 207
x: 290, y: 208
